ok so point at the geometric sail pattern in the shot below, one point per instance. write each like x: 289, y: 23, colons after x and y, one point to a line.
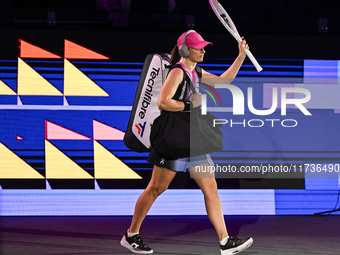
x: 76, y: 83
x: 5, y: 90
x: 56, y: 132
x: 32, y: 83
x: 28, y: 50
x: 59, y: 166
x: 102, y: 131
x: 14, y: 167
x: 108, y: 166
x: 75, y: 51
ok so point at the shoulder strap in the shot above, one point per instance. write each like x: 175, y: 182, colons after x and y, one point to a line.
x: 199, y: 73
x: 192, y: 88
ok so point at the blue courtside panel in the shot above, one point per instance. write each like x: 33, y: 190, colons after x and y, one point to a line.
x: 122, y: 202
x: 315, y: 139
x: 303, y: 202
x: 320, y: 69
x: 322, y: 184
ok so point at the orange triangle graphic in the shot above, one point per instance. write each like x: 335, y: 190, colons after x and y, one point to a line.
x: 56, y: 132
x: 75, y: 51
x: 104, y: 132
x: 28, y: 50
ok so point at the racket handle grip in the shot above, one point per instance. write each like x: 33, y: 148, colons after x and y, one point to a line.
x: 254, y: 61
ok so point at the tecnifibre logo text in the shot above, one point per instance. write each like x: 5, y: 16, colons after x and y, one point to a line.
x: 239, y: 105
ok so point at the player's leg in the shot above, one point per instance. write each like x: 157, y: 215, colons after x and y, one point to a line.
x: 160, y: 180
x: 207, y: 183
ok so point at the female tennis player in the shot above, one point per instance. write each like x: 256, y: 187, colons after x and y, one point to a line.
x: 188, y: 52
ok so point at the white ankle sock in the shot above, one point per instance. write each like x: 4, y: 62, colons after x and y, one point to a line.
x: 131, y: 234
x: 224, y: 241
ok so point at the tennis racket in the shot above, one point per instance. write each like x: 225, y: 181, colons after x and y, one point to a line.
x: 225, y: 19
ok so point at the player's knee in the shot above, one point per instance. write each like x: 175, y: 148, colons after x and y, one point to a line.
x: 158, y: 189
x: 210, y: 189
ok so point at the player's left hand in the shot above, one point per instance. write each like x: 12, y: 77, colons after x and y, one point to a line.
x: 242, y: 46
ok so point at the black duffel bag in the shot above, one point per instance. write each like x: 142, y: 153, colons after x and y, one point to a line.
x: 185, y: 134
